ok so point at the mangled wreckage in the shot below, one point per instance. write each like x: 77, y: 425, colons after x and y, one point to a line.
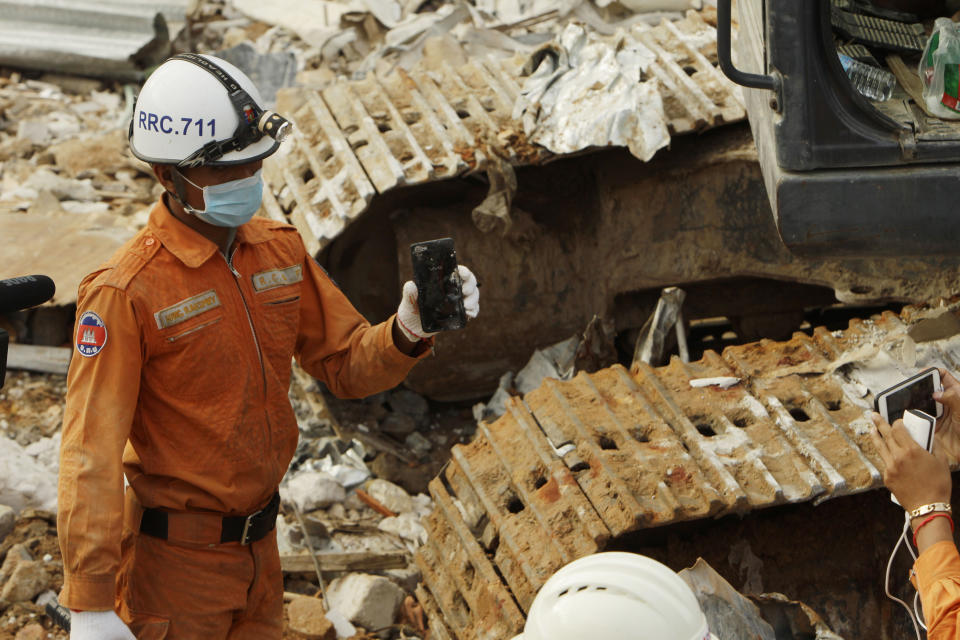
x: 582, y: 158
x: 581, y: 171
x: 640, y: 459
x: 549, y: 169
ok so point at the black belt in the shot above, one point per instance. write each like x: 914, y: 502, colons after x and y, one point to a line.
x: 242, y: 529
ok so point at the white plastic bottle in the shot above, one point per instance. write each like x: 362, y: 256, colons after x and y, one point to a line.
x: 873, y: 82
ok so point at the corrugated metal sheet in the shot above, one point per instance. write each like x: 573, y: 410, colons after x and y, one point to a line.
x: 357, y: 139
x: 104, y: 39
x: 574, y: 464
x: 174, y: 11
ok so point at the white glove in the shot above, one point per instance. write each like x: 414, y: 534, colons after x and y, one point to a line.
x: 98, y: 625
x: 408, y: 315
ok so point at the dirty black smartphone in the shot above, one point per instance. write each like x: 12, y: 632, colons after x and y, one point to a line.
x: 439, y: 289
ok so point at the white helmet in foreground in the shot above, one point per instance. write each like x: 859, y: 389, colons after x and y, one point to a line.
x: 615, y: 596
x: 200, y: 110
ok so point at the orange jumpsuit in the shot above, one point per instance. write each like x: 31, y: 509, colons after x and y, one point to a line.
x: 179, y: 380
x: 936, y: 577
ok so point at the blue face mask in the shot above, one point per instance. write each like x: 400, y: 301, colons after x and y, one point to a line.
x: 229, y: 204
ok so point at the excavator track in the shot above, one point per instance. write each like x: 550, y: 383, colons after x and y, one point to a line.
x: 580, y: 466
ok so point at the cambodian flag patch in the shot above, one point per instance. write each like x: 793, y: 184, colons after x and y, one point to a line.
x: 91, y: 334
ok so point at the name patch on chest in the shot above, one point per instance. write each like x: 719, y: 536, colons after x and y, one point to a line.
x: 266, y: 280
x: 186, y: 309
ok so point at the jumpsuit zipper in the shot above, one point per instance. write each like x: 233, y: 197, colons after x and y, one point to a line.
x: 256, y: 342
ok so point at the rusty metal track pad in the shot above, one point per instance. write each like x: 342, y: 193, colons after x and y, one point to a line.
x: 574, y: 464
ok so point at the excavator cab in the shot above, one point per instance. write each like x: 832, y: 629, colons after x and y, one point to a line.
x: 847, y: 176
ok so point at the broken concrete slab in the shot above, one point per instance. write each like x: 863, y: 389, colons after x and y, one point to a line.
x: 308, y: 617
x: 64, y: 247
x: 391, y: 496
x: 100, y: 152
x: 409, y: 403
x: 26, y: 581
x: 371, y: 602
x: 25, y: 483
x: 21, y: 577
x: 63, y: 188
x: 407, y: 526
x: 311, y: 490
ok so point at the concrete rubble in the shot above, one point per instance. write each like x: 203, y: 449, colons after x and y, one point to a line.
x: 383, y: 94
x: 31, y: 574
x: 393, y: 93
x: 364, y: 546
x: 371, y: 602
x: 66, y: 168
x: 62, y: 139
x: 472, y: 95
x: 308, y: 617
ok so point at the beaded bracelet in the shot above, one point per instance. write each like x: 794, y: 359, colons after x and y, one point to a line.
x: 927, y: 521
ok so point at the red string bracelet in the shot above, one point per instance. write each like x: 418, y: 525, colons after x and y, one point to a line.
x: 927, y: 521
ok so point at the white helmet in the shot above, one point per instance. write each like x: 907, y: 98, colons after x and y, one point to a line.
x: 615, y: 596
x: 201, y: 110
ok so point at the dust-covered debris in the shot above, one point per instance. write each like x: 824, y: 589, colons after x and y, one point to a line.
x: 30, y: 573
x: 589, y: 351
x: 70, y: 192
x: 577, y: 464
x: 349, y: 517
x: 65, y: 166
x: 347, y: 534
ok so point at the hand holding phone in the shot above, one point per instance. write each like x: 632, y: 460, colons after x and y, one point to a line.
x: 915, y: 392
x: 439, y: 288
x: 921, y: 427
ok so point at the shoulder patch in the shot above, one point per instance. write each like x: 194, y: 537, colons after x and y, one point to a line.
x: 91, y: 334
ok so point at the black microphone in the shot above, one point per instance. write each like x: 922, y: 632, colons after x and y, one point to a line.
x: 25, y: 292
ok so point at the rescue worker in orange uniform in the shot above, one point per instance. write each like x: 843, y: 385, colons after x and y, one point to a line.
x: 184, y: 343
x: 921, y: 482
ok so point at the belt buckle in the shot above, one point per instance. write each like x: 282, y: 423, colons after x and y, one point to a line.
x: 246, y: 527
